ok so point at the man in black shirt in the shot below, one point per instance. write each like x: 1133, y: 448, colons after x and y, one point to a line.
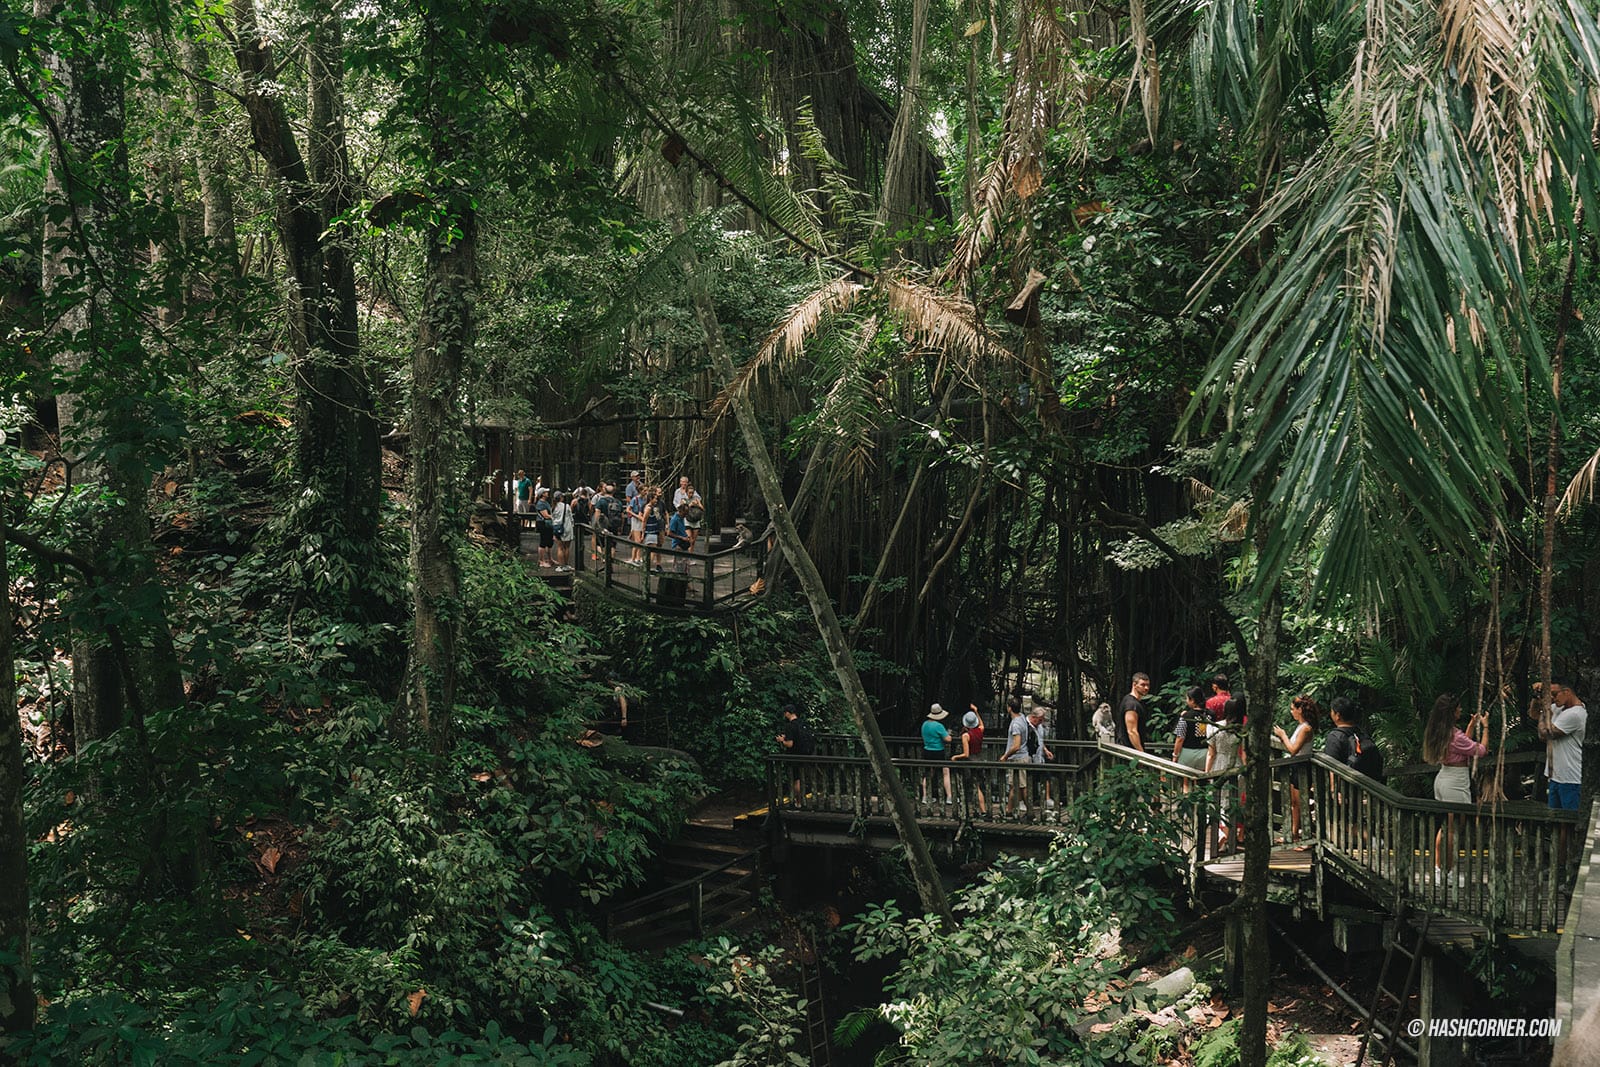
x: 1132, y: 714
x: 797, y: 739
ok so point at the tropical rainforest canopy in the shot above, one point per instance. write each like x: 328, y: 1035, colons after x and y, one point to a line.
x: 1054, y: 341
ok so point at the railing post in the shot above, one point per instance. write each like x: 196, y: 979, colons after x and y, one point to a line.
x: 609, y: 541
x: 706, y: 597
x: 697, y: 917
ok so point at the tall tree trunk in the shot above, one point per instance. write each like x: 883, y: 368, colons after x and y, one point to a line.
x: 923, y: 872
x: 443, y: 341
x: 85, y: 268
x: 210, y: 158
x: 16, y: 982
x: 1261, y: 675
x: 336, y: 451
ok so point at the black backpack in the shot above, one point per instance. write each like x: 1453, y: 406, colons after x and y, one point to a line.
x: 614, y: 511
x: 1033, y: 741
x: 1363, y: 754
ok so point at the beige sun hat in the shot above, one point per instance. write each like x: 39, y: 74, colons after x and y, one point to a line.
x: 936, y: 712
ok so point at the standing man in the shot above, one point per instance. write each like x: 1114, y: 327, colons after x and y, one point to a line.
x: 797, y: 739
x: 1132, y: 714
x: 1219, y: 696
x: 633, y: 485
x: 1016, y: 751
x: 1564, y: 726
x: 1038, y: 753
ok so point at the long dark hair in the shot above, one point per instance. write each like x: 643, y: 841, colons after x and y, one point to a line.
x: 1441, y: 727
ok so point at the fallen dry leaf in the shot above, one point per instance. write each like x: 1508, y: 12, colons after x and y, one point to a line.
x: 70, y: 797
x: 482, y: 776
x: 1190, y: 953
x: 269, y: 860
x: 414, y: 1001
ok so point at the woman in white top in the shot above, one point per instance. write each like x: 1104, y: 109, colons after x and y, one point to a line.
x: 1306, y: 712
x: 561, y: 527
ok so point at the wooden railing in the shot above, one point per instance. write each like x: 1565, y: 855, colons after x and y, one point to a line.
x: 669, y: 577
x: 1512, y: 867
x: 1075, y: 753
x: 983, y: 793
x: 690, y: 898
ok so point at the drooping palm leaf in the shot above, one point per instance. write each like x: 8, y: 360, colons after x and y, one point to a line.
x: 1376, y: 365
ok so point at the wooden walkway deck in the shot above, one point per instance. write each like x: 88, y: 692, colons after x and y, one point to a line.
x: 1513, y: 870
x: 722, y: 575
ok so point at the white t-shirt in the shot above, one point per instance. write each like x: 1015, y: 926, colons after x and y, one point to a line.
x: 1224, y: 744
x: 1565, y: 764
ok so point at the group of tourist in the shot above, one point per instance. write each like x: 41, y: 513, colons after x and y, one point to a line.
x: 1209, y: 737
x: 639, y: 514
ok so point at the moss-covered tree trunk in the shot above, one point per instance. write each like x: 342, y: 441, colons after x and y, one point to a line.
x: 95, y: 350
x: 443, y: 341
x: 1261, y: 675
x: 336, y: 451
x: 16, y: 984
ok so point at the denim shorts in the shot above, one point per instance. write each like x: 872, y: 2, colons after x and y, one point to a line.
x: 1564, y: 795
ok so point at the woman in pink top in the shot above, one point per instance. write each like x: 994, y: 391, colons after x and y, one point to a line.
x: 1445, y: 744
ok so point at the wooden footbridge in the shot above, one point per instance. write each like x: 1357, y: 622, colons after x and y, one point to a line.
x: 1513, y: 871
x: 724, y: 573
x: 1364, y: 853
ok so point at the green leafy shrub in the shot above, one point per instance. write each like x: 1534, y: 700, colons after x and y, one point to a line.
x: 259, y: 1024
x: 1006, y: 983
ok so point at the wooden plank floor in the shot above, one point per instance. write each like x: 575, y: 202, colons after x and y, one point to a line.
x: 1287, y: 861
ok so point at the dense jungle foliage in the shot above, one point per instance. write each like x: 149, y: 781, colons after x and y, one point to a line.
x: 1043, y: 342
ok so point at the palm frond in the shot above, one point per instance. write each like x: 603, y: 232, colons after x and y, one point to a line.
x: 851, y: 411
x: 787, y: 341
x: 1047, y: 90
x: 940, y: 321
x: 1581, y: 487
x: 1374, y: 371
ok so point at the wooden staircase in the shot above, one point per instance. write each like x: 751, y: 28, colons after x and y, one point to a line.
x: 715, y: 874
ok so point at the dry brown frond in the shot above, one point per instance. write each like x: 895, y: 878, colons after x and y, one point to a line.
x: 1490, y: 46
x: 978, y: 228
x: 786, y: 343
x: 1236, y: 523
x: 1146, y: 68
x: 1046, y: 91
x: 942, y: 322
x: 1581, y: 486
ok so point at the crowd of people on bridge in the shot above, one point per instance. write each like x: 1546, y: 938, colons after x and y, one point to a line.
x: 639, y: 514
x: 1207, y: 735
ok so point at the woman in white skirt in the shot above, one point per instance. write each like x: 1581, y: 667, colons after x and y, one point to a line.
x: 1446, y: 744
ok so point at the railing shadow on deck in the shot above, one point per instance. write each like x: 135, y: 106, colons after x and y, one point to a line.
x: 669, y: 578
x: 1514, y: 864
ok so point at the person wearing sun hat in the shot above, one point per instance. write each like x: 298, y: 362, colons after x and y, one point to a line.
x: 935, y: 741
x: 970, y: 747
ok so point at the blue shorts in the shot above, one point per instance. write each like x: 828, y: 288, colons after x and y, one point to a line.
x: 1564, y: 795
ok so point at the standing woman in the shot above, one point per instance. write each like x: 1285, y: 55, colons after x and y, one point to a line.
x: 1445, y: 744
x: 935, y: 741
x: 654, y: 522
x: 1189, y: 745
x: 972, y: 747
x: 1306, y: 712
x: 561, y: 526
